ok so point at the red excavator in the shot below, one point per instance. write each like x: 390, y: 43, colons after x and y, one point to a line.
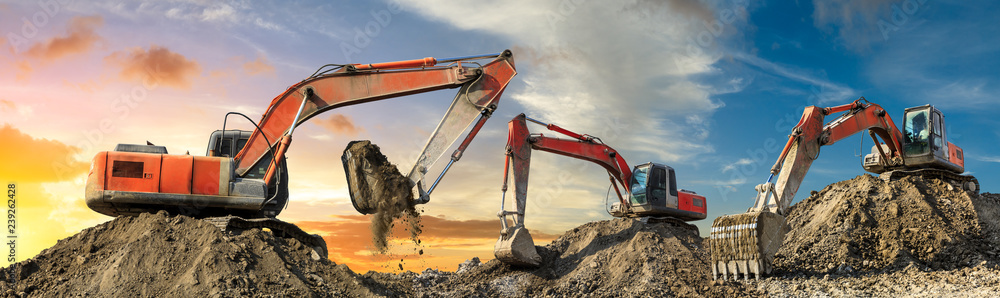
x: 243, y: 176
x: 650, y: 188
x: 746, y: 243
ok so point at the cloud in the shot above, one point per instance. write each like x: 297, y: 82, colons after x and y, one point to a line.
x: 80, y: 38
x: 258, y: 66
x: 733, y: 166
x: 446, y: 243
x: 10, y: 106
x: 823, y: 91
x: 24, y: 71
x: 855, y: 22
x: 988, y: 158
x: 635, y: 80
x: 27, y: 159
x: 49, y: 204
x: 158, y: 65
x: 339, y: 124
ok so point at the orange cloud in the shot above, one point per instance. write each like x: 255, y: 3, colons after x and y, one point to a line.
x: 24, y: 70
x: 445, y: 243
x: 27, y: 159
x: 339, y: 124
x: 258, y: 66
x: 7, y: 106
x: 80, y: 38
x: 158, y: 65
x: 49, y: 206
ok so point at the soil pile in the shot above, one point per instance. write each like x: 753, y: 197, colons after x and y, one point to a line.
x: 156, y: 255
x: 867, y: 224
x: 612, y: 258
x: 379, y: 188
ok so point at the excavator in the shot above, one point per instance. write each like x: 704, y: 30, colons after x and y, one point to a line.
x: 243, y: 181
x: 650, y: 188
x: 746, y: 243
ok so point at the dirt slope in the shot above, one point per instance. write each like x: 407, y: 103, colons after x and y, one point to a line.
x: 160, y: 255
x: 611, y: 258
x: 866, y: 224
x: 860, y: 237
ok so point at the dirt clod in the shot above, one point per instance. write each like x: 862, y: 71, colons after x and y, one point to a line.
x: 384, y: 191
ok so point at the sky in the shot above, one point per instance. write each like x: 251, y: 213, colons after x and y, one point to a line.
x: 711, y: 88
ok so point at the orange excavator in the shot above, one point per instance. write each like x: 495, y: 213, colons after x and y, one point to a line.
x: 650, y: 189
x: 746, y: 243
x: 243, y: 177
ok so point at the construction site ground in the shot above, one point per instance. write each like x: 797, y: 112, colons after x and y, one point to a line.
x: 861, y: 237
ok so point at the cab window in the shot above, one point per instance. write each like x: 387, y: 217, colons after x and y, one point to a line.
x: 658, y: 185
x: 638, y: 184
x: 937, y: 142
x: 916, y: 132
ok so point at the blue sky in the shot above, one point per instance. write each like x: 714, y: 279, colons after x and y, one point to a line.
x: 711, y: 88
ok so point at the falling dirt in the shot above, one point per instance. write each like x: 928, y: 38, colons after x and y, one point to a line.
x: 867, y: 224
x: 384, y: 192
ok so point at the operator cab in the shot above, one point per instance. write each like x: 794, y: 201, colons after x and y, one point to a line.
x: 229, y: 143
x: 654, y: 193
x: 925, y: 143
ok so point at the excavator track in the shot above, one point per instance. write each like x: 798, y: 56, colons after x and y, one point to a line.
x: 964, y: 182
x: 677, y: 222
x: 236, y: 224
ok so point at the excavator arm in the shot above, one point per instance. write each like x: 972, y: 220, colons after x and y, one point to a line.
x: 479, y: 93
x: 810, y: 134
x: 135, y: 179
x: 515, y: 245
x: 746, y: 243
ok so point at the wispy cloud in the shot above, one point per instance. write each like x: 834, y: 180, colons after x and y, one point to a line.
x: 736, y: 164
x: 988, y: 158
x: 825, y: 90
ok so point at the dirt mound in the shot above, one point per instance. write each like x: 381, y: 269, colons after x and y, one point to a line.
x: 178, y: 256
x: 380, y: 189
x: 867, y: 224
x: 619, y: 257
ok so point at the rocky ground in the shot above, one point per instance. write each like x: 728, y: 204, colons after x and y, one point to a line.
x: 859, y: 238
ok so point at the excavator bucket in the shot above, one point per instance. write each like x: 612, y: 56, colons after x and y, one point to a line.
x: 746, y: 243
x: 371, y: 178
x: 516, y: 247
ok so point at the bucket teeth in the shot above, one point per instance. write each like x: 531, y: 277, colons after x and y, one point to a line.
x: 745, y: 244
x: 517, y: 248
